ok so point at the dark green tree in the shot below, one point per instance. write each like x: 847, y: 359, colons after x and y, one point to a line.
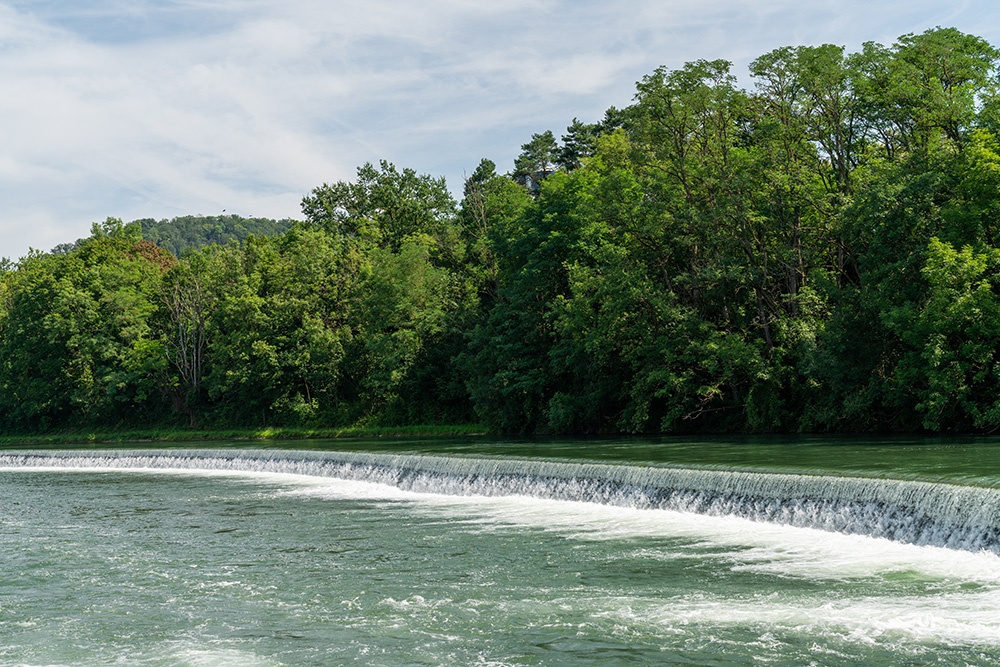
x: 579, y: 142
x: 538, y: 159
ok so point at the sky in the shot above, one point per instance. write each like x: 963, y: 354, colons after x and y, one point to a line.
x: 162, y: 108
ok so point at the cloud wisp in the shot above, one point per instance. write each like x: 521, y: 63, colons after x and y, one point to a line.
x: 136, y: 108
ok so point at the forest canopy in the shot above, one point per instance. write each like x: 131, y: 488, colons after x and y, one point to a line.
x: 191, y: 232
x: 820, y: 252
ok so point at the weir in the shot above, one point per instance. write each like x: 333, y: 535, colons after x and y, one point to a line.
x: 918, y: 512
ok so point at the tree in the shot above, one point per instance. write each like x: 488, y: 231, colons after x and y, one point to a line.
x: 188, y: 300
x: 874, y: 347
x: 383, y: 205
x: 189, y: 233
x: 78, y: 344
x: 956, y: 372
x: 924, y: 89
x: 489, y: 211
x: 537, y: 160
x: 403, y: 314
x: 579, y: 142
x: 284, y: 313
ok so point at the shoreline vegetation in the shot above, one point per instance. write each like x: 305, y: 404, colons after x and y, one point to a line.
x: 168, y: 436
x: 817, y: 253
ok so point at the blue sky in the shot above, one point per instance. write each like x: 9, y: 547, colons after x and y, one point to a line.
x: 143, y: 108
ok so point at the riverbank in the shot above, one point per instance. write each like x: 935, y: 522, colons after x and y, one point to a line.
x: 189, y: 435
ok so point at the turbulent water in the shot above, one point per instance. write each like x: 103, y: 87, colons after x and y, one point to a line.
x: 242, y: 557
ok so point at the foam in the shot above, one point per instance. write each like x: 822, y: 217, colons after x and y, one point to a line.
x: 953, y: 516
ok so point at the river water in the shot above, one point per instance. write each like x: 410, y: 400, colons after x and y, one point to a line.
x: 475, y: 552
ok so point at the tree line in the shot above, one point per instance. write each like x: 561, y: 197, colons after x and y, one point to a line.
x: 818, y: 253
x: 190, y: 232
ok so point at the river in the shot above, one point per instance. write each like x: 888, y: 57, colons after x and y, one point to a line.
x: 724, y: 551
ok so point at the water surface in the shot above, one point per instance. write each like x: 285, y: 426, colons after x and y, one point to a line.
x: 182, y: 567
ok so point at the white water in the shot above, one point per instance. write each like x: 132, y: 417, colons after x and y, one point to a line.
x: 950, y: 615
x: 323, y: 558
x: 917, y: 512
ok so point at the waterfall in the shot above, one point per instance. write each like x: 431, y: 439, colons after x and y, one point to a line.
x: 956, y: 516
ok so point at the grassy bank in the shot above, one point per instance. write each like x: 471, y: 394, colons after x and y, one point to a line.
x: 94, y: 438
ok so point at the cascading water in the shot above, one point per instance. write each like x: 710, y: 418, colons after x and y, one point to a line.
x: 237, y: 557
x: 951, y: 515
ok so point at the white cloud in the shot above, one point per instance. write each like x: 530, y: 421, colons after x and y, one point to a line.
x: 136, y: 108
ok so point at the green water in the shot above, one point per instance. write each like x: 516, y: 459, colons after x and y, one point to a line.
x: 972, y: 459
x: 108, y: 567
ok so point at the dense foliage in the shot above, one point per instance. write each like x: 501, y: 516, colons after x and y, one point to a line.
x: 191, y: 232
x: 819, y: 253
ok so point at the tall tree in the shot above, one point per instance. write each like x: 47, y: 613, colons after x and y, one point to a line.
x: 384, y: 205
x: 579, y: 142
x: 188, y: 301
x: 537, y: 160
x: 925, y: 88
